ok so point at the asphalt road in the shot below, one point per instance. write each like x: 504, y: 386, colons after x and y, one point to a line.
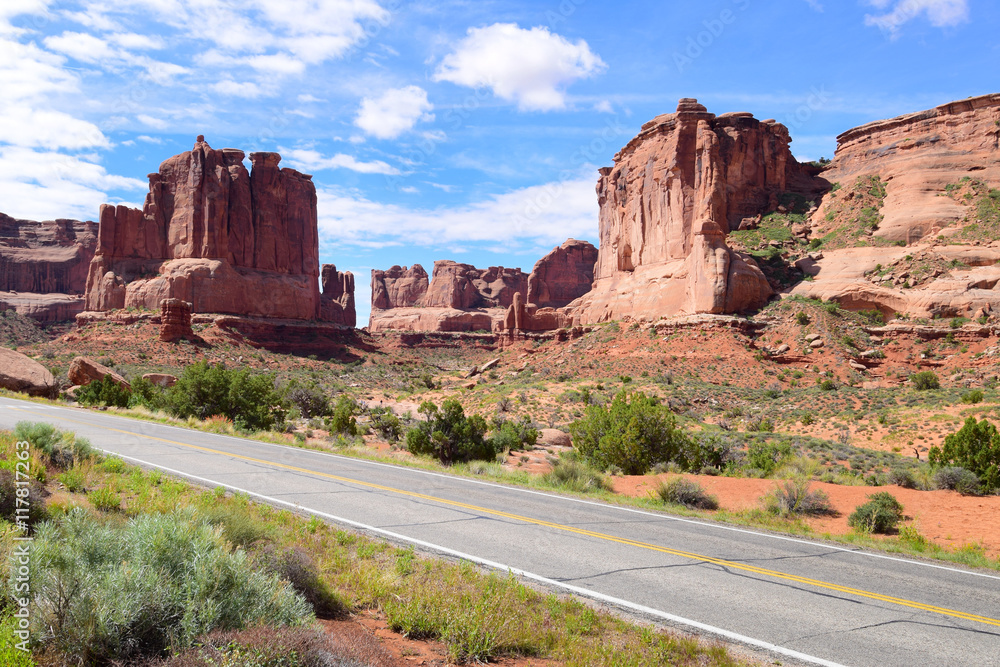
x: 808, y: 602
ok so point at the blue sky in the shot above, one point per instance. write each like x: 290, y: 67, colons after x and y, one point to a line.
x: 469, y: 129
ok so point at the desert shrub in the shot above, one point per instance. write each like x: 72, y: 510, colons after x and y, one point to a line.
x: 632, y: 433
x: 448, y: 435
x: 344, y: 420
x: 147, y: 394
x: 511, y: 435
x: 35, y: 500
x: 308, y: 398
x: 827, y: 385
x: 956, y: 478
x: 574, y: 475
x: 795, y: 497
x: 296, y: 566
x: 976, y: 447
x: 237, y: 523
x: 972, y: 397
x: 902, y: 477
x: 802, y: 318
x: 248, y: 398
x: 61, y: 449
x: 385, y: 422
x: 767, y: 456
x: 105, y: 592
x: 925, y: 380
x: 690, y: 494
x: 104, y: 392
x: 105, y: 500
x: 880, y: 514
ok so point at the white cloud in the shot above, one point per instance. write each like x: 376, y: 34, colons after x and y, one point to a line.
x: 311, y: 160
x: 80, y: 46
x: 246, y: 89
x: 136, y: 42
x: 153, y: 122
x: 42, y: 185
x: 531, y: 67
x: 305, y: 98
x: 940, y: 13
x: 21, y: 125
x: 547, y: 214
x: 604, y: 106
x: 148, y: 139
x: 395, y: 111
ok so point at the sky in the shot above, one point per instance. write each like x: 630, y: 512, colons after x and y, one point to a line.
x: 469, y: 130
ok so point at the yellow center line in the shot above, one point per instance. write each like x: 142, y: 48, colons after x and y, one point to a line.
x: 571, y: 529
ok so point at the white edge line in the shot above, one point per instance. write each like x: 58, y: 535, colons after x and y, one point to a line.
x: 669, y: 517
x: 727, y: 634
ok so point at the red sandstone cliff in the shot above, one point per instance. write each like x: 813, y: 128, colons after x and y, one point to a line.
x: 565, y: 274
x: 212, y: 233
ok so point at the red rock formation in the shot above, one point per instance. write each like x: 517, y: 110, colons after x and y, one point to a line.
x: 337, y: 299
x: 45, y: 257
x: 175, y: 320
x: 23, y: 374
x: 463, y: 286
x: 399, y: 287
x: 164, y: 380
x: 668, y: 202
x: 212, y: 233
x: 563, y: 275
x: 83, y: 371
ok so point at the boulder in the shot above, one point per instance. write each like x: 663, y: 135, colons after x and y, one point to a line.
x: 550, y: 437
x: 164, y: 380
x: 175, y: 320
x: 23, y: 374
x: 83, y: 371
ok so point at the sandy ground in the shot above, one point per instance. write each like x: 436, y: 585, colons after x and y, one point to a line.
x: 944, y: 517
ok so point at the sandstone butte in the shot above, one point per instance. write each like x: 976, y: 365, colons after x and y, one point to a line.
x: 43, y: 266
x: 222, y: 238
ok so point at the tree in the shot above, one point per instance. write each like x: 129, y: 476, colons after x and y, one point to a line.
x: 449, y: 435
x: 976, y: 447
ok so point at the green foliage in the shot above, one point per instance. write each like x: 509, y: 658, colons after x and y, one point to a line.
x: 767, y: 456
x: 632, y: 433
x: 107, y: 592
x: 35, y: 501
x: 105, y: 500
x: 794, y: 497
x: 510, y: 435
x: 976, y: 447
x: 62, y: 449
x: 248, y: 398
x: 925, y: 380
x: 880, y: 514
x: 104, y: 392
x: 448, y: 435
x: 802, y: 318
x: 385, y: 422
x: 10, y: 654
x: 956, y: 478
x: 147, y: 394
x: 828, y: 385
x: 690, y: 494
x: 577, y: 476
x: 308, y: 398
x: 973, y: 396
x: 343, y: 420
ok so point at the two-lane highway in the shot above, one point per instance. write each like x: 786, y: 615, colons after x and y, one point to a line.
x: 808, y: 601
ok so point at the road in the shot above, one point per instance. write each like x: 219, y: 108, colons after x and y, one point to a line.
x: 808, y: 602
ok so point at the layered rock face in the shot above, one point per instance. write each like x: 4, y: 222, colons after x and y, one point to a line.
x: 43, y: 266
x: 459, y: 297
x: 175, y: 320
x: 214, y: 234
x: 666, y: 206
x: 337, y: 298
x: 565, y: 274
x: 929, y: 254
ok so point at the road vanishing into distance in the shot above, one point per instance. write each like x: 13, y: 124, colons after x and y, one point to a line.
x: 798, y: 600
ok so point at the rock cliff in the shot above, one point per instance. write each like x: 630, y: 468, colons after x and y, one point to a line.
x: 337, y: 299
x: 674, y: 192
x: 565, y: 274
x: 212, y: 233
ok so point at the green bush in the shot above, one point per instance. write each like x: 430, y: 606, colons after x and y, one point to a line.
x: 973, y: 396
x: 104, y: 392
x: 633, y: 433
x: 956, y: 478
x: 62, y: 449
x: 36, y: 511
x: 574, y: 475
x: 248, y: 398
x: 296, y: 566
x: 903, y: 478
x: 105, y: 592
x: 308, y: 398
x: 925, y: 380
x: 690, y: 494
x: 767, y: 456
x: 828, y: 385
x: 880, y: 514
x: 795, y: 497
x: 385, y: 422
x: 509, y: 435
x: 448, y: 435
x: 105, y: 500
x: 976, y: 447
x: 343, y: 420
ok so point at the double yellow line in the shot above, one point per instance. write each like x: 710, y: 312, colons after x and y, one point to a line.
x: 775, y: 574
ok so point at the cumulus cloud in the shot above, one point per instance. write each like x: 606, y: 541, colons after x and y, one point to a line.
x: 531, y: 67
x: 940, y: 13
x: 393, y: 112
x: 543, y: 214
x: 247, y: 89
x: 311, y: 160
